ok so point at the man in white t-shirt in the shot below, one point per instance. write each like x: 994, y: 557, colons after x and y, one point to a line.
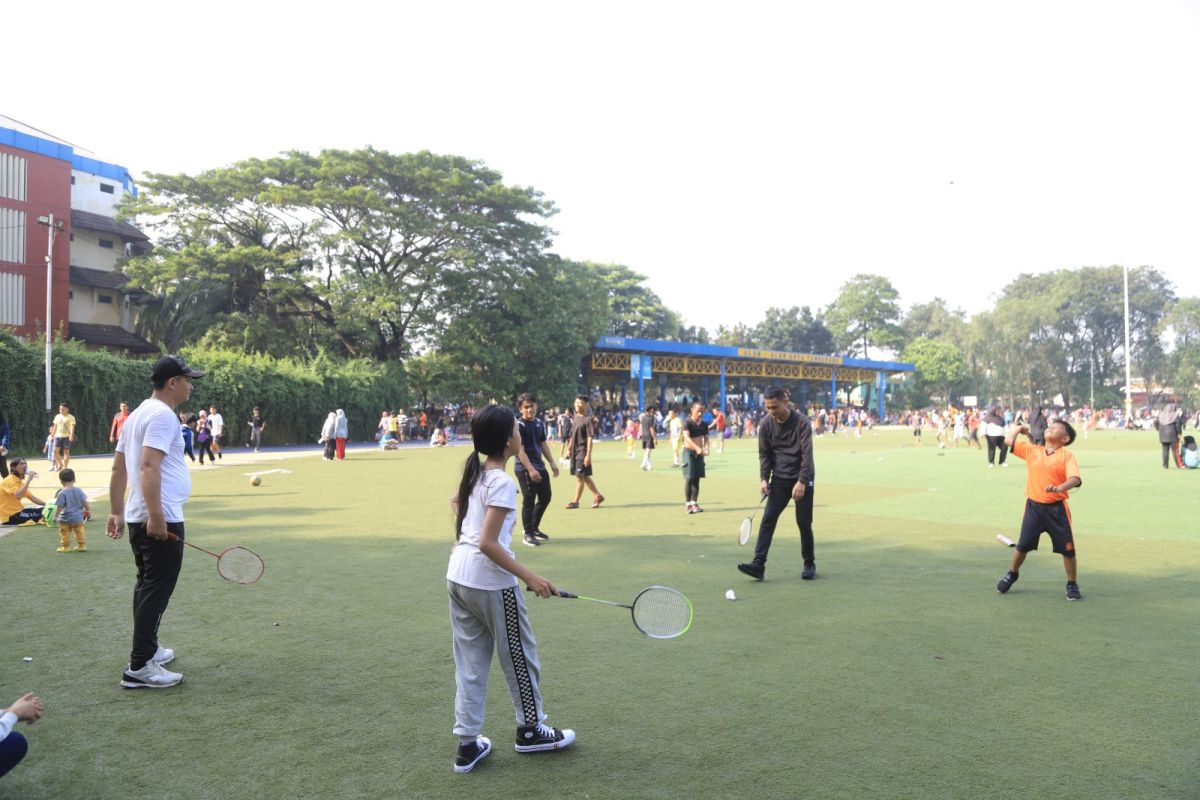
x: 149, y: 462
x: 217, y: 424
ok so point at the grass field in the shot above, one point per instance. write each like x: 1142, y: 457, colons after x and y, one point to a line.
x: 899, y: 673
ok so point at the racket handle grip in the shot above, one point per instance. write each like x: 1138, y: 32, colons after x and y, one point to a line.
x: 561, y: 593
x: 172, y: 537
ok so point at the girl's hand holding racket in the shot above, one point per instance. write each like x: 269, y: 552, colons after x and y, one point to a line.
x: 541, y: 587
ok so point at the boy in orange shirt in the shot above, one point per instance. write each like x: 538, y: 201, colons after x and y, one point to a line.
x: 1052, y: 472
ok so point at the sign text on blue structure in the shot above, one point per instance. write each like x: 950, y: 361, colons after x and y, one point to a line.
x: 640, y: 366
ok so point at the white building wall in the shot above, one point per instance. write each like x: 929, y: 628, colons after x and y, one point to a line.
x: 86, y: 305
x: 87, y: 195
x: 87, y: 252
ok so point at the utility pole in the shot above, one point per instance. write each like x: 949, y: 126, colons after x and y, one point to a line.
x: 52, y: 228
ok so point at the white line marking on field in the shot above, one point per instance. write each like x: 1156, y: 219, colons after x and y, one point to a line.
x: 269, y: 472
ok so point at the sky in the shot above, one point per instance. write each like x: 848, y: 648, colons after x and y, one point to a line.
x: 741, y: 156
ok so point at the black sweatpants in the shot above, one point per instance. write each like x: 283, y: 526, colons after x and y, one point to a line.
x: 158, y: 564
x: 780, y: 495
x: 1170, y: 454
x: 206, y: 447
x: 993, y: 443
x: 535, y: 498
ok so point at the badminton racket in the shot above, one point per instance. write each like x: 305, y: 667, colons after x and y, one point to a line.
x: 747, y: 527
x: 1004, y: 540
x: 657, y: 611
x: 235, y: 564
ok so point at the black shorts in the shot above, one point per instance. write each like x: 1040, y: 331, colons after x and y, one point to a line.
x: 647, y: 444
x: 1051, y: 518
x: 63, y: 444
x: 916, y: 431
x: 578, y: 469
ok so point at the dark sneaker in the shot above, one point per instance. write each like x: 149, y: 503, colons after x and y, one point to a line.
x: 810, y: 572
x: 536, y: 738
x: 531, y: 540
x: 756, y: 571
x: 1073, y: 592
x: 541, y: 536
x: 1007, y: 581
x: 471, y: 754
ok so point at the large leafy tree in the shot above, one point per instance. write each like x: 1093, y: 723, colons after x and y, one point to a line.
x: 227, y: 268
x: 528, y: 335
x: 795, y: 330
x: 939, y: 364
x: 865, y: 314
x: 636, y: 311
x: 414, y: 236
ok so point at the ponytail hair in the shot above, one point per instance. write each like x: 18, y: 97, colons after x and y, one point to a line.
x: 490, y: 432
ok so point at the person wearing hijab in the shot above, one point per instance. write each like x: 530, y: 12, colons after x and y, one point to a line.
x: 341, y: 433
x: 1170, y: 427
x: 329, y: 436
x: 994, y: 433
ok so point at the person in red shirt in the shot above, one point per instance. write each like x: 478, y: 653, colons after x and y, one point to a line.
x: 1051, y: 472
x: 718, y: 423
x: 118, y: 423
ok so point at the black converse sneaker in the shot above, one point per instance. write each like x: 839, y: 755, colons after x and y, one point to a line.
x: 535, y: 738
x: 531, y: 540
x: 1073, y: 591
x: 541, y: 536
x: 810, y: 572
x: 1007, y: 581
x: 472, y: 753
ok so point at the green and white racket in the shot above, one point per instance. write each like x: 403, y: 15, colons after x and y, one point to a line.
x: 658, y: 611
x: 747, y: 526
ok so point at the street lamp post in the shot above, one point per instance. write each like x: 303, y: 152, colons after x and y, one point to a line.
x: 52, y: 228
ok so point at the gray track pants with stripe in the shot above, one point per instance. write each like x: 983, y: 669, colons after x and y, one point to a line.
x: 482, y: 620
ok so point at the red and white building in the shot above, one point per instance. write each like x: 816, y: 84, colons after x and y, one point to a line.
x: 41, y: 177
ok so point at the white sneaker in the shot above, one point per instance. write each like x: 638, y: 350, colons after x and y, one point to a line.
x: 164, y: 655
x: 151, y: 676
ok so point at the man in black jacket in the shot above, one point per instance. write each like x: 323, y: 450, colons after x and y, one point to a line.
x: 785, y: 464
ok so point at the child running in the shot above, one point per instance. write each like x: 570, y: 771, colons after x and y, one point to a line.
x: 72, y: 509
x: 486, y: 607
x: 1052, y: 472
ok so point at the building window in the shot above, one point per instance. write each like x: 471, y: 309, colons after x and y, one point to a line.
x: 70, y: 294
x: 107, y: 188
x: 14, y: 175
x: 104, y: 298
x: 107, y: 244
x: 12, y: 299
x: 12, y: 236
x: 72, y: 237
x: 72, y: 180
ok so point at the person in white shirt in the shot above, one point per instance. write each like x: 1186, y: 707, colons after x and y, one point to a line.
x: 487, y: 610
x: 216, y: 424
x: 13, y: 747
x: 150, y: 464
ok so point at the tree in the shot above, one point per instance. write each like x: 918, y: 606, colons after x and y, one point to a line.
x: 530, y: 335
x: 739, y: 335
x: 935, y: 320
x: 227, y: 268
x: 411, y: 236
x: 866, y: 313
x: 939, y: 363
x: 636, y: 311
x: 1182, y: 323
x: 793, y: 330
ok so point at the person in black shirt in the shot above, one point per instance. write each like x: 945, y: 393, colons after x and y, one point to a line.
x: 695, y: 448
x: 580, y: 444
x: 785, y: 466
x: 531, y: 469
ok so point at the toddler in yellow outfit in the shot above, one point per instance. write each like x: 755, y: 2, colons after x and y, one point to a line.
x: 73, y: 509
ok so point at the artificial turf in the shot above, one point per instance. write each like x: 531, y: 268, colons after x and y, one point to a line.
x: 899, y: 672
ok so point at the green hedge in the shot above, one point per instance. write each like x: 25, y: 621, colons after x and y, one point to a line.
x: 295, y: 396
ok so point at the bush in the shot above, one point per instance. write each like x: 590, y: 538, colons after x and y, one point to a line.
x: 295, y: 396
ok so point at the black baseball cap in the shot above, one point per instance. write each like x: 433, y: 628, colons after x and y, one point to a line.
x: 169, y: 367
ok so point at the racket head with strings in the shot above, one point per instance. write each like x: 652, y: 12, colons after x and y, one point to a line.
x: 661, y: 612
x: 240, y: 565
x: 745, y: 530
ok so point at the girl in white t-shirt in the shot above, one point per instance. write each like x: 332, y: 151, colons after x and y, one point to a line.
x: 487, y: 610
